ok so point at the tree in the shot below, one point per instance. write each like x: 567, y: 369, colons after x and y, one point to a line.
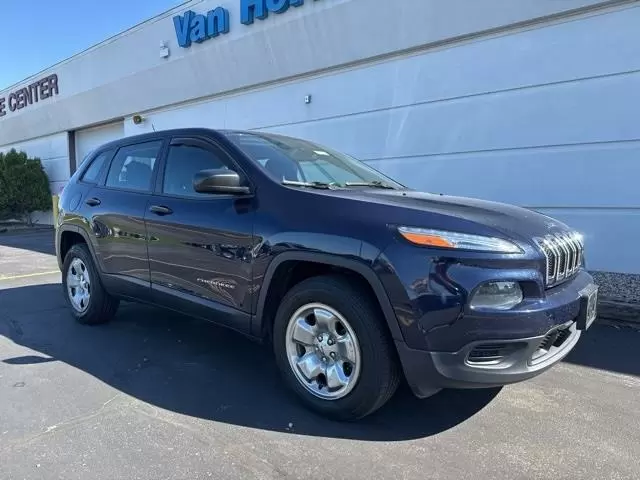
x: 24, y: 186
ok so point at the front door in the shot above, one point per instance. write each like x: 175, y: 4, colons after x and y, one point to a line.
x: 117, y: 207
x: 200, y: 245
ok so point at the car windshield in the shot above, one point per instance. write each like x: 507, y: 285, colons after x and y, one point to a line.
x: 295, y: 161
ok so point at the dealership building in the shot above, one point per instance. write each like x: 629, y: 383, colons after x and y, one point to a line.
x: 530, y: 102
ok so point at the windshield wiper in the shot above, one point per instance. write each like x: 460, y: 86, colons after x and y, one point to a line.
x: 374, y: 184
x: 320, y: 185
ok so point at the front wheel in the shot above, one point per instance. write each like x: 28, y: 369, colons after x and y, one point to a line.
x: 333, y: 348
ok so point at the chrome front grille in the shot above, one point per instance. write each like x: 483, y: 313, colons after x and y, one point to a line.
x: 564, y: 256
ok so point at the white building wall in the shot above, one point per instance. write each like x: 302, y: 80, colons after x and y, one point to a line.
x: 529, y: 102
x: 126, y: 74
x: 53, y: 151
x: 89, y: 139
x: 542, y: 118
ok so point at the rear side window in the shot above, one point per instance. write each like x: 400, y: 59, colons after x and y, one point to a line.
x: 132, y: 167
x: 92, y: 173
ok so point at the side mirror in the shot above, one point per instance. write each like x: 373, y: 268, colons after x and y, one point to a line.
x: 219, y: 181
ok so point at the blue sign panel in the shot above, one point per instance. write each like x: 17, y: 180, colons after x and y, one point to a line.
x: 191, y: 27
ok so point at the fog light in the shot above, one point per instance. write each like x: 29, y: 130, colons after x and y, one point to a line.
x: 497, y: 295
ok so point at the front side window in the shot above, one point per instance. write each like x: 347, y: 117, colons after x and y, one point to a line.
x: 293, y: 159
x: 132, y: 167
x: 183, y: 162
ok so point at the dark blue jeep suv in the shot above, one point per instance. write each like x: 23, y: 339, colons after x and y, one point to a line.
x: 356, y: 280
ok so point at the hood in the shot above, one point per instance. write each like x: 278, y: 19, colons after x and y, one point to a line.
x: 510, y: 220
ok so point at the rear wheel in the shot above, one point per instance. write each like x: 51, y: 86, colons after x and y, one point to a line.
x: 333, y: 348
x: 89, y: 302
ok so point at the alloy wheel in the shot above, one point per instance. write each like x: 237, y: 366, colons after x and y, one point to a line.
x: 323, y: 351
x: 79, y: 285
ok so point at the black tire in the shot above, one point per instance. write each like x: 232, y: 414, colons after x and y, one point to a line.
x: 101, y: 306
x: 379, y: 374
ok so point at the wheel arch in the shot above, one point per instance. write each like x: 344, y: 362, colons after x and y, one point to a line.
x: 64, y: 231
x: 261, y: 325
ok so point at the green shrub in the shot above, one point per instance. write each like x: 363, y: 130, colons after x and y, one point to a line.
x: 24, y: 186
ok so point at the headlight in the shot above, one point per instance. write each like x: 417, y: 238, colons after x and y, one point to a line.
x: 462, y: 241
x: 497, y: 295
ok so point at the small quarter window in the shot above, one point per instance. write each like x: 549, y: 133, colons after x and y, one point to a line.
x: 132, y: 167
x: 92, y: 173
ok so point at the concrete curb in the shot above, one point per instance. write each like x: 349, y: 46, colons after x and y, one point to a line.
x: 5, y: 231
x: 619, y: 311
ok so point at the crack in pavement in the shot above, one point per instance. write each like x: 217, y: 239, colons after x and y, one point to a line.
x: 71, y: 422
x: 256, y: 464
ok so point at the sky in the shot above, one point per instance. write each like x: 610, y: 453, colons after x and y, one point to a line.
x: 37, y: 34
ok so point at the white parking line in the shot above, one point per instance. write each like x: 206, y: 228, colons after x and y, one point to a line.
x: 27, y: 275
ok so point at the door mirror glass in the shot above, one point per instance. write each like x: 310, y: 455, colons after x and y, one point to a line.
x: 219, y: 181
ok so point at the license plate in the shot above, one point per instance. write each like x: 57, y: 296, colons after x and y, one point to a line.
x: 588, y: 307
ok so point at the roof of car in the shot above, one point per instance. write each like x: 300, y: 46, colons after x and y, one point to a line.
x: 156, y: 134
x: 173, y: 132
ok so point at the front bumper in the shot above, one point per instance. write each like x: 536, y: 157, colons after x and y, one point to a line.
x: 514, y: 361
x: 496, y: 354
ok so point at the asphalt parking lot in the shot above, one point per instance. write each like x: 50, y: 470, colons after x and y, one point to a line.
x: 154, y: 395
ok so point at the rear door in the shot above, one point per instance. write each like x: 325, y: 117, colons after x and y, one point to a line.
x: 200, y: 245
x: 116, y: 207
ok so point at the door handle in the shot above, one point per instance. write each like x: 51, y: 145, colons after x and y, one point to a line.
x: 160, y: 210
x: 93, y: 202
